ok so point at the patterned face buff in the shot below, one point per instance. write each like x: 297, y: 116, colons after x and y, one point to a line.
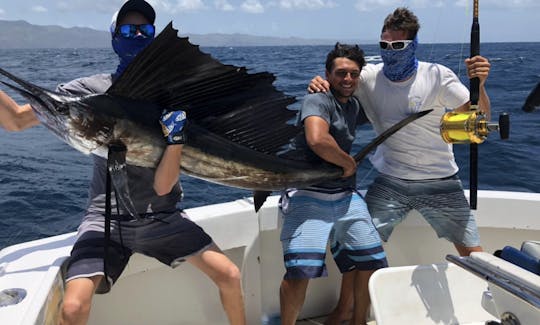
x: 401, y: 64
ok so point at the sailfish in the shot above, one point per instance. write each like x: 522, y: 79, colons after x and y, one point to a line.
x: 238, y: 121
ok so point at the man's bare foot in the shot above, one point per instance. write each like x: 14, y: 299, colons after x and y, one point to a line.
x: 338, y: 317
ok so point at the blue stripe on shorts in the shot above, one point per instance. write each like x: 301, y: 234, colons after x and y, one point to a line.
x: 311, y: 219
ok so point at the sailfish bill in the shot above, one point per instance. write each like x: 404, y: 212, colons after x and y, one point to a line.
x: 238, y: 121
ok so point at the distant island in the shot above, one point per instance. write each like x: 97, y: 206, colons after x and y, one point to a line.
x: 20, y: 34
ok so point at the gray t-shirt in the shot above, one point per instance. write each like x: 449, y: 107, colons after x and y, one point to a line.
x: 140, y: 179
x: 342, y: 119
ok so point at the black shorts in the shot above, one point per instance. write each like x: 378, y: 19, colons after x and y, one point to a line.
x: 170, y: 238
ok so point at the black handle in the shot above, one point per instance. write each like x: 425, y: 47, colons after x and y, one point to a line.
x: 474, y: 83
x: 504, y: 126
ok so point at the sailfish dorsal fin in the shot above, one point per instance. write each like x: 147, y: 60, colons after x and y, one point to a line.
x: 227, y: 100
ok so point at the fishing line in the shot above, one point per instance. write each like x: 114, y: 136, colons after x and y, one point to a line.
x: 463, y: 42
x: 464, y: 38
x: 366, y: 175
x: 435, y: 32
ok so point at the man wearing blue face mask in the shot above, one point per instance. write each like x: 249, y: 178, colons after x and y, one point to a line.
x: 417, y: 169
x: 162, y: 231
x: 130, y: 39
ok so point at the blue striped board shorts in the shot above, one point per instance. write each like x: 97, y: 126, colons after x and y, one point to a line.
x: 312, y: 219
x: 441, y: 202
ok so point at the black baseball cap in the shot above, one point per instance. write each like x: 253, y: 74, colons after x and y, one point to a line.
x: 140, y: 6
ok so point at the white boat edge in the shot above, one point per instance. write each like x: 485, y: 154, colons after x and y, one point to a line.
x: 149, y: 292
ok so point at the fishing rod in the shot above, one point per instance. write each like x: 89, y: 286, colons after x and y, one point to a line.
x: 474, y: 90
x: 472, y: 127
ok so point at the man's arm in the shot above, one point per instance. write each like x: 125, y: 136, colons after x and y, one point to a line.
x: 479, y: 66
x: 325, y: 146
x: 168, y: 170
x: 318, y: 84
x: 14, y: 117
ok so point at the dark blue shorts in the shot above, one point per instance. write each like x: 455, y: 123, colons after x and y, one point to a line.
x: 170, y: 238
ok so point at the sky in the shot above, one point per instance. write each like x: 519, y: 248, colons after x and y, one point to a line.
x: 441, y: 21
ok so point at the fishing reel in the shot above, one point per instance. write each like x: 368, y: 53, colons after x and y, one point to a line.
x: 472, y: 127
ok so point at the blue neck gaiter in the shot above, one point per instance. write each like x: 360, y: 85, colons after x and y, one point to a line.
x: 400, y: 65
x: 127, y: 49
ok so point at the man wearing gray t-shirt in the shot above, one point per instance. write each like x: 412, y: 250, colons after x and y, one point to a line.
x: 163, y: 231
x: 332, y: 211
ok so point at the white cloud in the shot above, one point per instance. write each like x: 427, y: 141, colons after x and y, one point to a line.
x: 39, y: 9
x: 505, y: 4
x: 306, y: 4
x: 428, y: 3
x: 223, y: 5
x: 368, y: 5
x: 104, y: 6
x: 2, y: 12
x: 159, y: 6
x: 252, y: 6
x: 189, y: 5
x: 110, y: 6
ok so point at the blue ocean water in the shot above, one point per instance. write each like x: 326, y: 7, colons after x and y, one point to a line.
x: 43, y: 182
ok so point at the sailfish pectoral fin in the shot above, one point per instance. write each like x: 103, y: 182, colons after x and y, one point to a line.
x: 116, y: 164
x: 259, y: 197
x: 387, y: 133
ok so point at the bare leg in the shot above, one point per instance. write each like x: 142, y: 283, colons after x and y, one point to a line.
x: 466, y: 251
x: 292, y: 294
x: 343, y: 310
x: 226, y: 276
x: 361, y: 297
x: 78, y: 300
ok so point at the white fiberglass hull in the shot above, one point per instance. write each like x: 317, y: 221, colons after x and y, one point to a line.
x: 151, y: 293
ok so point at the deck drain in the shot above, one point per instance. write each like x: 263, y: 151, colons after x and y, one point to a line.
x: 9, y: 297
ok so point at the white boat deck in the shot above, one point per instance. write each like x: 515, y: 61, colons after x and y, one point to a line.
x: 151, y: 293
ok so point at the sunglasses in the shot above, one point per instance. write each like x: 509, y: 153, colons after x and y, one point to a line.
x: 395, y: 45
x: 130, y: 30
x: 344, y: 73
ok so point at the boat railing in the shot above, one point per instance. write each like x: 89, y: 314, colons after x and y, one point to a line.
x: 510, y: 277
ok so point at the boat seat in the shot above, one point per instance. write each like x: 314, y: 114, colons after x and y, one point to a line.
x: 528, y: 257
x: 520, y: 258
